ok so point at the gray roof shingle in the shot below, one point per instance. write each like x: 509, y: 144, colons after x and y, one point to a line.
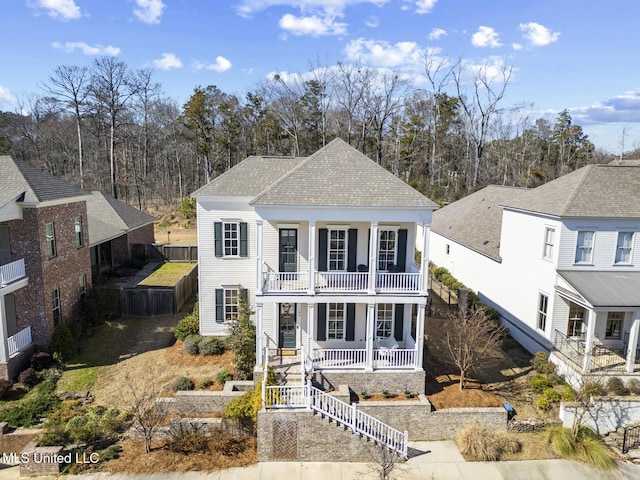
x: 607, y: 191
x: 476, y: 220
x: 606, y: 288
x: 339, y: 175
x: 17, y: 177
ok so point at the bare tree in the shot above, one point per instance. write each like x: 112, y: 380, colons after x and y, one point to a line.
x: 352, y: 85
x: 471, y: 337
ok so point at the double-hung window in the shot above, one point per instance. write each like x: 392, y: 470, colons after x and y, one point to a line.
x: 50, y: 234
x: 584, y: 246
x: 82, y: 280
x: 387, y: 248
x: 576, y: 321
x: 384, y: 320
x: 543, y: 302
x: 55, y: 306
x: 614, y: 324
x: 78, y: 228
x: 624, y: 247
x: 338, y: 250
x: 231, y: 239
x: 549, y: 242
x: 231, y: 299
x: 335, y: 321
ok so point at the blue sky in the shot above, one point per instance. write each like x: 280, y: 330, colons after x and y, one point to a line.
x: 582, y: 55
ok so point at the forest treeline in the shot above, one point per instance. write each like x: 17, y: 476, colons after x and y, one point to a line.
x: 105, y: 126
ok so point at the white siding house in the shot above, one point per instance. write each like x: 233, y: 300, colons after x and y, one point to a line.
x: 560, y: 262
x: 323, y: 248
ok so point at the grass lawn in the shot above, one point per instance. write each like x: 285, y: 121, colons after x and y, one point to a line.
x: 167, y: 275
x: 98, y: 351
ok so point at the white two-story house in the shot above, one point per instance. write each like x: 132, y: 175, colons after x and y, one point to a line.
x: 323, y: 248
x: 560, y: 262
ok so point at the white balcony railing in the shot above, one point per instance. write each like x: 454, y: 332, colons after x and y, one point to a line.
x: 19, y: 341
x: 11, y: 272
x: 341, y: 281
x: 284, y: 281
x: 394, y: 358
x: 339, y: 358
x: 398, y: 282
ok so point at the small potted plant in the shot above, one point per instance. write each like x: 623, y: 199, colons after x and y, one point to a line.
x: 364, y: 394
x: 386, y: 392
x: 407, y: 391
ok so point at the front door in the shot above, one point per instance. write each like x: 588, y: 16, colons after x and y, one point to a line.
x: 288, y: 250
x: 287, y: 319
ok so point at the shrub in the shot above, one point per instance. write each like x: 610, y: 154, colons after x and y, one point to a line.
x: 551, y: 394
x: 562, y: 440
x: 507, y: 443
x: 595, y: 452
x: 42, y: 360
x: 568, y: 395
x: 53, y: 436
x: 192, y: 344
x: 211, y: 346
x: 5, y: 386
x: 223, y: 376
x: 634, y: 386
x: 62, y: 342
x: 592, y: 389
x: 539, y: 383
x: 189, y: 325
x: 477, y: 444
x: 540, y: 363
x: 28, y: 377
x: 110, y: 453
x: 186, y: 438
x: 204, y: 383
x: 586, y: 446
x: 543, y: 403
x: 182, y: 383
x: 188, y: 208
x: 617, y: 387
x: 245, y: 409
x: 29, y: 412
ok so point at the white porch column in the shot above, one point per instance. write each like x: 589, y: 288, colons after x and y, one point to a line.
x: 259, y: 337
x: 424, y: 263
x: 312, y: 258
x: 311, y: 326
x: 259, y: 258
x: 373, y: 257
x: 419, y: 337
x: 371, y: 320
x: 588, y: 348
x: 4, y: 346
x: 632, y: 347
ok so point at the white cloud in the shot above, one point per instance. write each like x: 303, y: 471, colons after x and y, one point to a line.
x: 621, y: 108
x: 221, y: 65
x: 62, y: 9
x: 517, y: 46
x: 485, y: 37
x: 246, y: 8
x: 492, y: 70
x: 436, y: 33
x: 6, y: 97
x: 383, y: 54
x: 421, y: 6
x: 149, y: 11
x: 372, y: 22
x: 70, y: 47
x: 313, y: 25
x: 538, y: 35
x: 167, y: 62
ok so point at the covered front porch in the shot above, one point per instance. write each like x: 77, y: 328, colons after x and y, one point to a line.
x: 341, y: 336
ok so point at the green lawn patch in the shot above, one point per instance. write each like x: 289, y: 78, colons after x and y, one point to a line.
x: 167, y: 275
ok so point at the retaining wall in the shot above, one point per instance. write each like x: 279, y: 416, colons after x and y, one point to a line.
x: 203, y: 402
x: 605, y: 415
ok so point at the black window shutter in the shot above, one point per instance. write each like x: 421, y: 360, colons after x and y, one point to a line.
x: 399, y: 321
x: 323, y: 237
x: 402, y: 250
x: 244, y: 244
x: 244, y: 294
x: 217, y: 238
x: 321, y: 334
x: 351, y: 322
x: 219, y: 305
x: 352, y: 250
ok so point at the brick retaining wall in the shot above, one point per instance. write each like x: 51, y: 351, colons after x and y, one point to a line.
x: 375, y: 381
x: 203, y: 402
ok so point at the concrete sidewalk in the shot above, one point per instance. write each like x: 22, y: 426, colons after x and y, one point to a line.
x: 429, y: 461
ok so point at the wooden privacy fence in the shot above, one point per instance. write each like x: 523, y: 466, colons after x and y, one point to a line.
x: 151, y: 301
x: 169, y: 253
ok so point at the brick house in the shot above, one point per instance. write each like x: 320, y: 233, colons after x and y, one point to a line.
x: 45, y: 253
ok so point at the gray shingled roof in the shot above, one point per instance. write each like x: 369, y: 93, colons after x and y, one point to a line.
x: 17, y: 177
x: 591, y: 191
x: 339, y: 175
x: 606, y: 288
x: 476, y: 220
x: 109, y: 218
x: 250, y: 177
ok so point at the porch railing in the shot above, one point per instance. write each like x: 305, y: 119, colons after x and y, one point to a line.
x: 285, y: 396
x: 402, y: 282
x: 11, y: 272
x: 341, y: 281
x: 284, y: 281
x: 394, y: 358
x: 339, y: 358
x: 571, y: 348
x: 19, y: 341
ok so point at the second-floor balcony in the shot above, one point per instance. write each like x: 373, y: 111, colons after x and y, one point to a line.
x: 12, y: 272
x: 347, y: 282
